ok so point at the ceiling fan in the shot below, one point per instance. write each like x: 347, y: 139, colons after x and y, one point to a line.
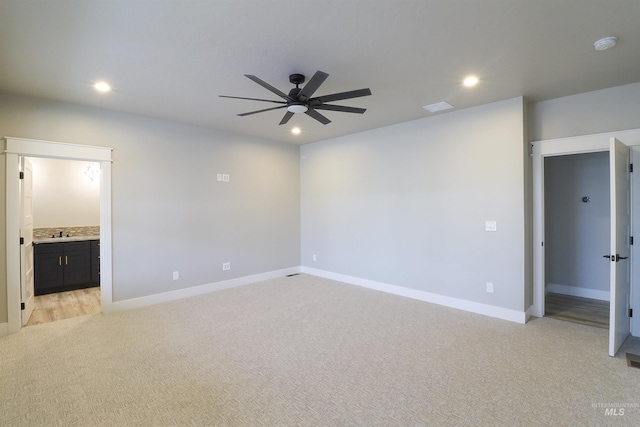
x: 301, y: 101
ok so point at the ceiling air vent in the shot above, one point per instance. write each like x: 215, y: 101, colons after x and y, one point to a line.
x: 438, y: 106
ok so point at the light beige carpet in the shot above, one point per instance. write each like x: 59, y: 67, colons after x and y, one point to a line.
x: 305, y: 351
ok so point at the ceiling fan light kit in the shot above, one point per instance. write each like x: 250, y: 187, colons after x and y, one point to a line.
x: 301, y: 100
x: 297, y: 107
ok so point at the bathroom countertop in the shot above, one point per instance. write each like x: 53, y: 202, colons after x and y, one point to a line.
x: 65, y: 239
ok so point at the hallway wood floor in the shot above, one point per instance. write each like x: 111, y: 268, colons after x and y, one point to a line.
x: 65, y: 305
x: 586, y: 311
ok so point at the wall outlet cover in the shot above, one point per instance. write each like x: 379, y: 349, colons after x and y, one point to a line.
x: 491, y: 226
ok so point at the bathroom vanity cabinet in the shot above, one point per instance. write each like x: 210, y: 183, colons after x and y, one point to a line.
x: 66, y: 266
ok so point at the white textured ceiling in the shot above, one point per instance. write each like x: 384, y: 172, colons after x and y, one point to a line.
x: 171, y: 59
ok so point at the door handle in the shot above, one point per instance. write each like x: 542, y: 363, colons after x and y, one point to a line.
x: 615, y: 258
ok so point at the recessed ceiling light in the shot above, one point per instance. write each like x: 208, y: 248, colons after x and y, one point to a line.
x: 438, y: 106
x: 295, y: 131
x: 605, y: 43
x: 102, y: 87
x: 470, y: 81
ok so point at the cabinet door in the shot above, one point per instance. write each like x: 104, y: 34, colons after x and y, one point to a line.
x: 48, y: 271
x: 95, y: 261
x: 77, y: 267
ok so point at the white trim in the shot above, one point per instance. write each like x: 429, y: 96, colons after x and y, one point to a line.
x: 51, y: 149
x: 473, y: 307
x: 575, y: 291
x: 14, y: 148
x: 557, y: 147
x: 106, y: 262
x: 529, y: 314
x: 4, y: 329
x: 14, y: 297
x: 538, y: 236
x: 584, y: 143
x: 199, y: 290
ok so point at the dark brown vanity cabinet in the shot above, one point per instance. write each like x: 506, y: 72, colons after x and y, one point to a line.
x: 95, y: 261
x: 64, y: 266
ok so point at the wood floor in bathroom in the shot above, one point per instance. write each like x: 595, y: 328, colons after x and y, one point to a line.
x: 65, y: 305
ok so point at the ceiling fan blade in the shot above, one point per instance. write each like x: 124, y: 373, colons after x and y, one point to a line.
x: 267, y: 86
x: 309, y: 89
x: 286, y: 118
x: 252, y: 99
x: 260, y: 111
x: 340, y: 108
x: 319, y: 117
x: 343, y: 95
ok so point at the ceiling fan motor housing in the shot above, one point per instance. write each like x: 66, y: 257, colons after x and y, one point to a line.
x: 296, y: 79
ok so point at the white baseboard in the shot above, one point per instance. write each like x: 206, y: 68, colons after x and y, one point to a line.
x: 197, y: 290
x: 474, y: 307
x: 577, y: 292
x: 4, y: 329
x: 529, y: 313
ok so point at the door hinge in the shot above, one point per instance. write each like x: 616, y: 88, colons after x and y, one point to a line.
x: 631, y: 240
x: 22, y: 306
x: 22, y: 240
x: 21, y: 175
x: 631, y: 312
x: 630, y: 167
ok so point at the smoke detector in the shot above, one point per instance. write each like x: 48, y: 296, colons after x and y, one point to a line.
x: 605, y: 43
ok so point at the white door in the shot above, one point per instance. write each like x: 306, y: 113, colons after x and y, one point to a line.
x: 26, y: 239
x: 619, y: 321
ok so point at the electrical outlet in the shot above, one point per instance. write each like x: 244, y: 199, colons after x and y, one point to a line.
x: 226, y: 266
x: 176, y: 275
x: 225, y: 177
x: 490, y: 226
x: 489, y: 287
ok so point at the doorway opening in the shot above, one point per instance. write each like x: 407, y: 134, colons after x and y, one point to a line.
x: 16, y: 148
x: 577, y: 237
x: 621, y: 239
x: 66, y: 239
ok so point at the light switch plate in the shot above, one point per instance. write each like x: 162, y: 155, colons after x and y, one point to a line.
x: 490, y: 226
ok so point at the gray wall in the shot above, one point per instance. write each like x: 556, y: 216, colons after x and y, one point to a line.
x: 169, y: 212
x: 600, y: 111
x: 407, y: 204
x: 576, y: 233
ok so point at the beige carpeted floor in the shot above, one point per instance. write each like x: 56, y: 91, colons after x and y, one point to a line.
x: 305, y: 351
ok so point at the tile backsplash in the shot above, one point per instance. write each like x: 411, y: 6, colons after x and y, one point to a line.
x: 43, y: 233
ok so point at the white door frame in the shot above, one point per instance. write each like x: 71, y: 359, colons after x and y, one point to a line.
x: 559, y: 147
x: 19, y: 147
